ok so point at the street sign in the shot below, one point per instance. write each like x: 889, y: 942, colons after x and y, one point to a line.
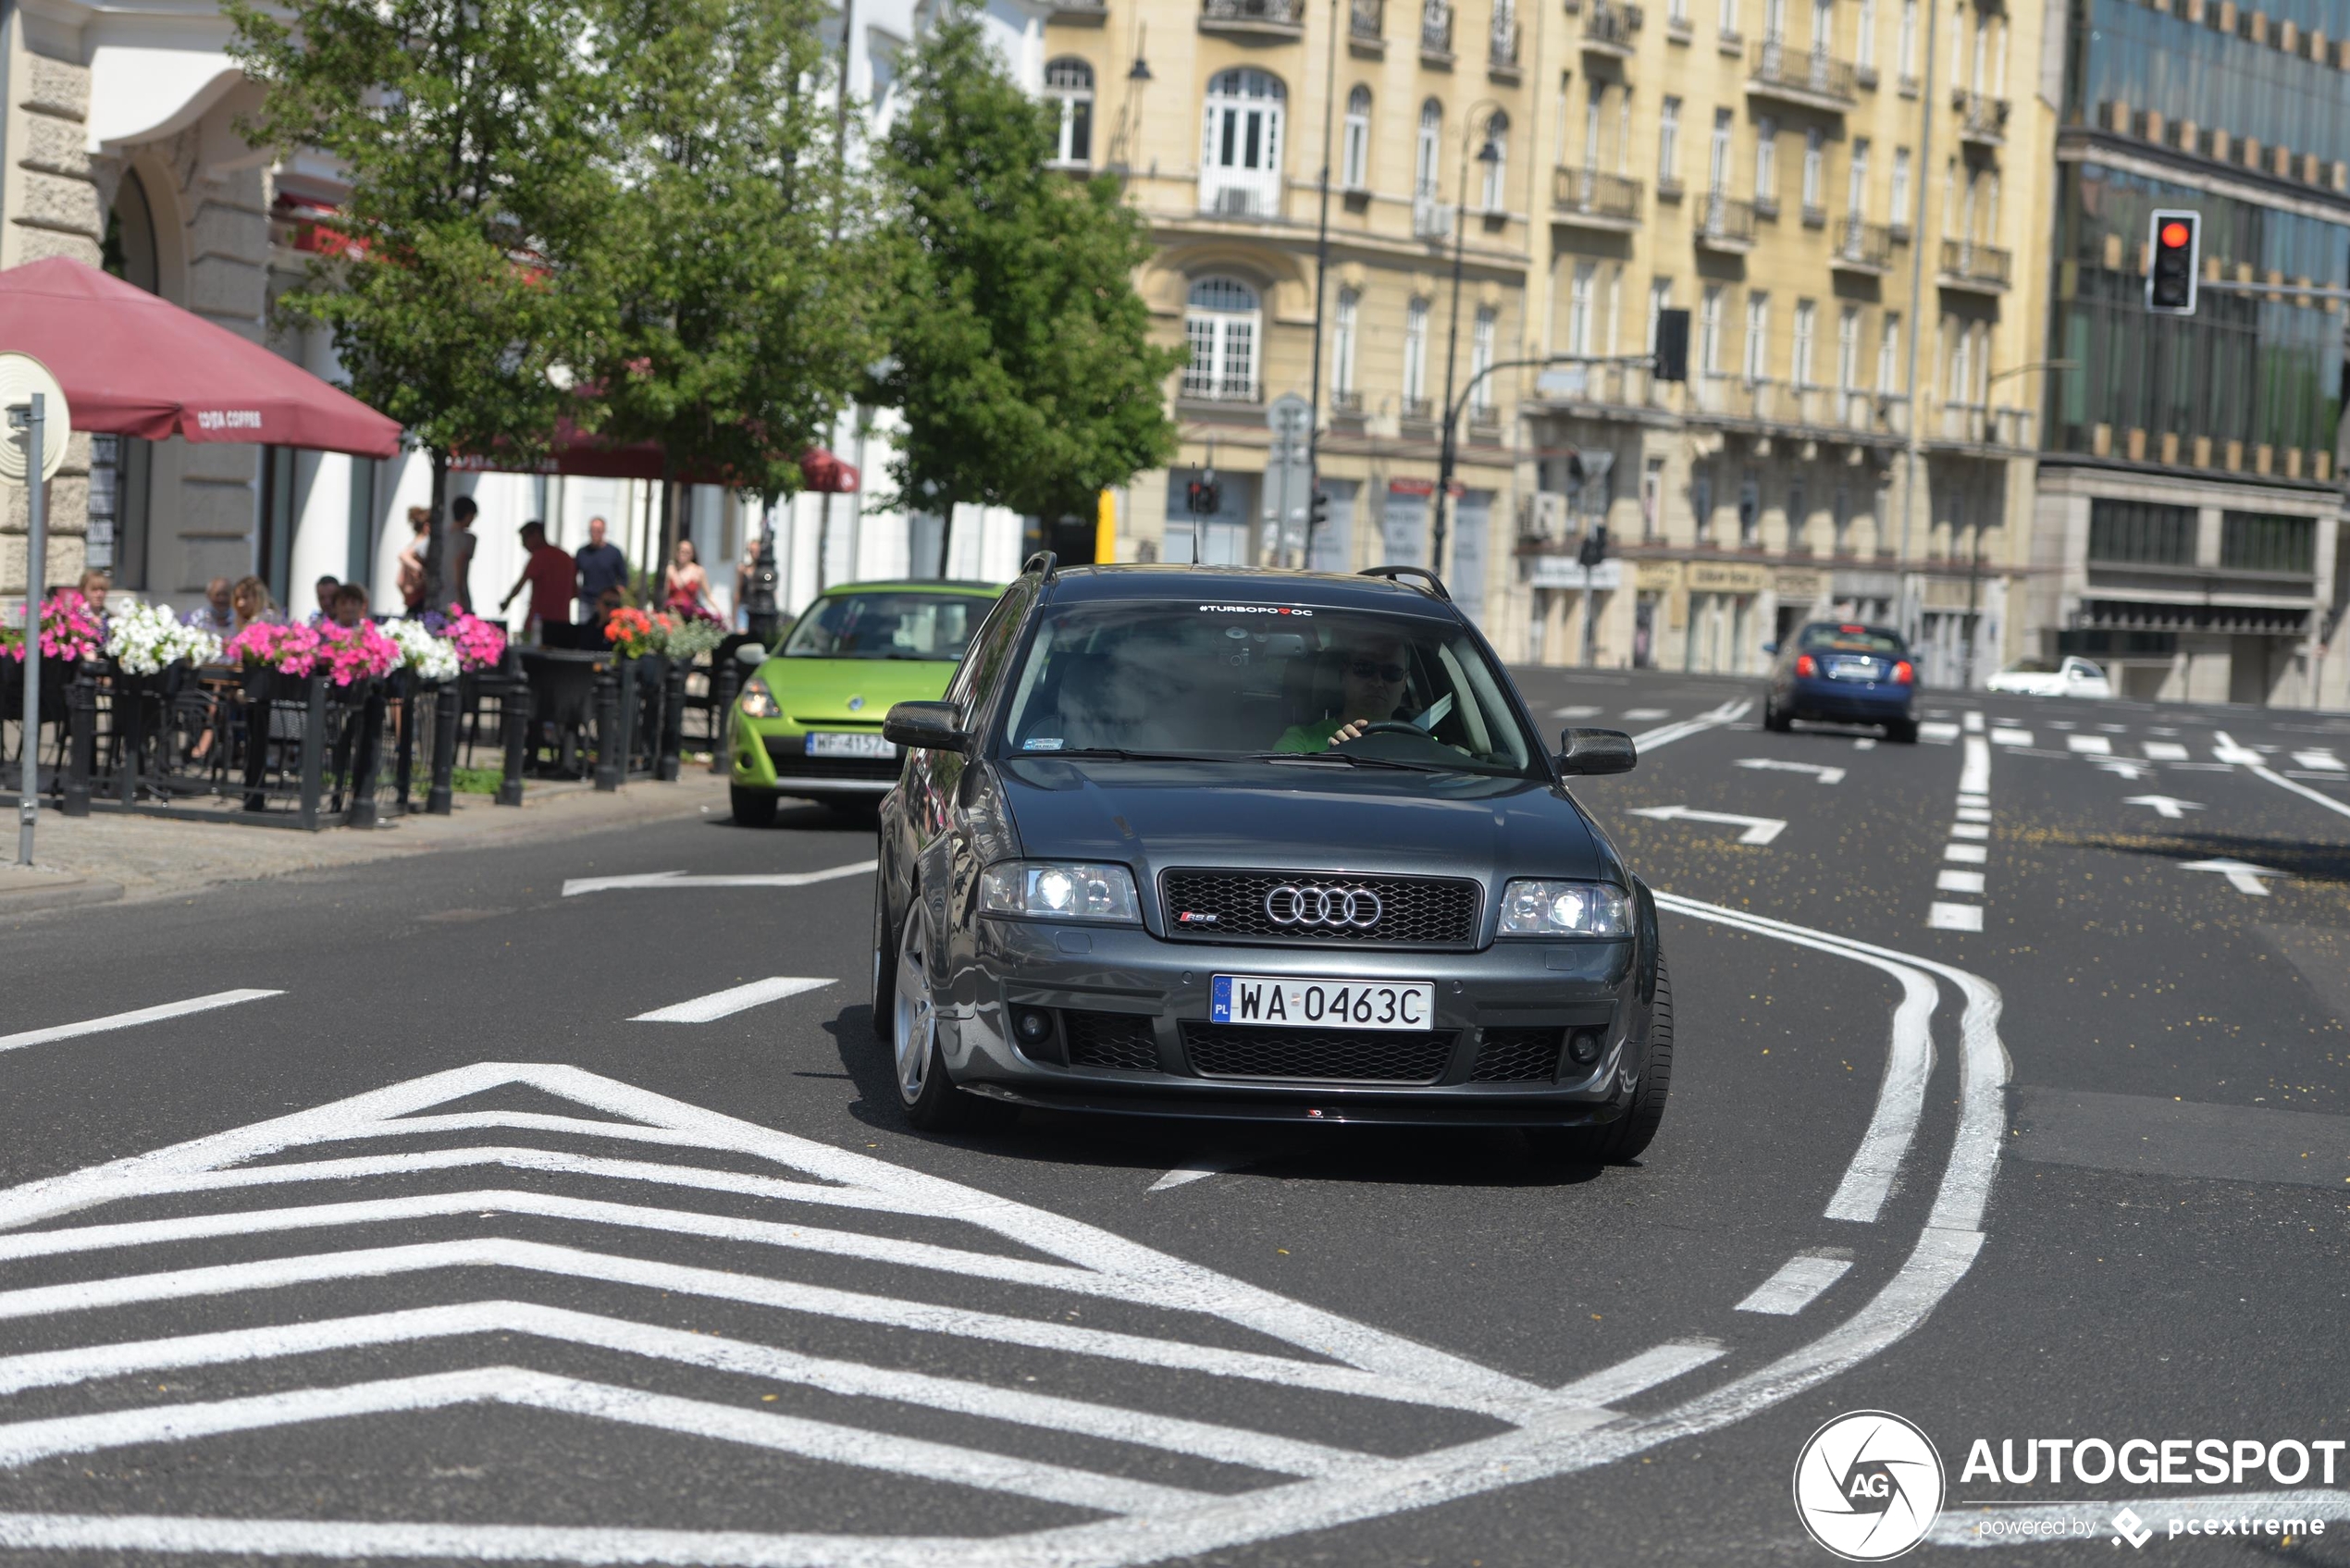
x: 20, y: 376
x: 1288, y: 416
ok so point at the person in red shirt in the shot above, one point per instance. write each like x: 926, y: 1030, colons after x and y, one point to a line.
x: 548, y: 573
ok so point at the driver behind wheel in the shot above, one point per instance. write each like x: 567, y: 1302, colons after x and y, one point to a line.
x: 1374, y: 671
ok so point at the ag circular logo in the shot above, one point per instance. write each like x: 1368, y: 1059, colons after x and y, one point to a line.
x: 1868, y: 1485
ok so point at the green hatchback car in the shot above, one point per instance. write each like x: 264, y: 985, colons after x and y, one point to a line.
x: 809, y: 722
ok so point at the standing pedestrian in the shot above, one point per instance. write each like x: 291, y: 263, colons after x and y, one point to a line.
x: 412, y: 577
x: 601, y: 567
x: 745, y: 571
x: 548, y: 572
x: 455, y: 585
x: 685, y: 586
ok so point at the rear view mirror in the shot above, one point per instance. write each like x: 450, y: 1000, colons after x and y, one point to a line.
x: 1588, y: 752
x: 926, y: 726
x: 751, y: 655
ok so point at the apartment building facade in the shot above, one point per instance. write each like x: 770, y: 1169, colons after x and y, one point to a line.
x: 1794, y: 179
x: 2190, y: 501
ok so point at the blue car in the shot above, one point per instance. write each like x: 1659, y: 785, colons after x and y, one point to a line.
x: 1844, y: 675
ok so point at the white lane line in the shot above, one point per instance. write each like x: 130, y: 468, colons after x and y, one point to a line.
x: 1757, y: 829
x: 2227, y: 750
x: 1963, y: 828
x: 1940, y: 733
x: 1951, y: 879
x: 1940, y: 915
x: 1646, y: 715
x: 1866, y: 743
x: 1727, y: 714
x: 577, y: 886
x: 1973, y: 721
x: 2011, y: 737
x: 1973, y: 813
x: 684, y: 1347
x: 2016, y: 1526
x: 1825, y: 775
x: 2319, y: 762
x: 1974, y: 799
x: 1579, y: 710
x: 1797, y: 1285
x: 1642, y: 1372
x: 1966, y: 854
x: 733, y: 999
x: 2092, y: 746
x: 28, y: 1441
x: 2164, y: 751
x: 138, y: 1016
x: 1184, y: 1175
x: 1974, y: 773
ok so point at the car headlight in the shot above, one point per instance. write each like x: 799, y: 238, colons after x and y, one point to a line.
x: 759, y: 702
x: 1049, y: 890
x: 1564, y: 908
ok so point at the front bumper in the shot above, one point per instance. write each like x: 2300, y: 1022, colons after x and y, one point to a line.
x: 1858, y: 702
x: 1493, y: 1007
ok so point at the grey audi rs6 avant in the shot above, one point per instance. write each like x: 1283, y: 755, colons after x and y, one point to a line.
x: 1262, y: 845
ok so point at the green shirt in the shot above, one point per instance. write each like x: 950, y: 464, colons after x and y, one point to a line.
x: 1310, y: 737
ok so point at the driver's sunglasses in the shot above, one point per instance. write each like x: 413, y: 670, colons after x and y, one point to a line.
x: 1367, y: 670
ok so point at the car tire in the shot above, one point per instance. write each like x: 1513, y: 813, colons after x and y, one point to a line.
x: 1625, y: 1139
x: 1775, y: 719
x: 1902, y: 732
x: 753, y: 808
x: 884, y: 957
x: 918, y: 1063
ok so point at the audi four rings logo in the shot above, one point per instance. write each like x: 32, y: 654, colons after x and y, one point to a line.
x: 1312, y: 905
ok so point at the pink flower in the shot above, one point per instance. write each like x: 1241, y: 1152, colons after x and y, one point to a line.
x: 356, y: 653
x: 70, y: 629
x: 292, y: 651
x: 479, y: 645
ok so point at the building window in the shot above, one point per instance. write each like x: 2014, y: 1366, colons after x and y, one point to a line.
x: 1889, y: 355
x: 1343, y: 342
x: 1864, y: 36
x: 1481, y: 360
x: 1356, y: 169
x: 1806, y: 317
x: 1677, y: 13
x: 1766, y: 159
x: 1668, y: 140
x: 1614, y: 309
x: 1901, y: 214
x: 1429, y: 156
x: 1717, y: 154
x: 1961, y: 339
x: 1416, y: 352
x: 1847, y: 349
x: 1241, y: 155
x: 1497, y: 132
x: 1729, y: 22
x: 2253, y: 542
x: 1702, y: 506
x: 1069, y: 86
x: 1842, y: 522
x: 1812, y: 154
x: 1660, y: 300
x: 1823, y: 27
x: 1856, y: 185
x: 1906, y: 52
x: 1220, y: 326
x: 2138, y: 533
x: 1758, y: 335
x: 1709, y: 322
x: 1579, y: 308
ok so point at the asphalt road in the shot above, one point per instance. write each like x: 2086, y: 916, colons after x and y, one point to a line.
x: 2035, y: 1131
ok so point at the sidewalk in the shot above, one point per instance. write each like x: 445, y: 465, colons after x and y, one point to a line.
x: 104, y: 857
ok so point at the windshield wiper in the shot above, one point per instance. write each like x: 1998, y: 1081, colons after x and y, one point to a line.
x: 1353, y: 760
x: 1120, y: 754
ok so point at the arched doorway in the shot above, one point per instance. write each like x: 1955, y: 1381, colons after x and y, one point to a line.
x: 122, y: 467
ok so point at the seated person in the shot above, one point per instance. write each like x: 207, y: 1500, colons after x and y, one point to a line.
x: 348, y: 607
x: 1375, y: 673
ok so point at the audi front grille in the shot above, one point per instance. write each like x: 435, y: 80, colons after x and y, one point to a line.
x: 1321, y: 908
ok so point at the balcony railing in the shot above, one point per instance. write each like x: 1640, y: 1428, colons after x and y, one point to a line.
x: 1725, y: 223
x: 1283, y: 14
x: 1981, y: 119
x: 1863, y: 247
x: 1201, y: 384
x: 1431, y: 216
x: 1436, y: 28
x: 1612, y: 29
x: 1367, y: 19
x: 1609, y: 199
x: 1618, y: 385
x: 1502, y: 44
x: 1485, y: 421
x: 1240, y: 201
x: 1418, y: 411
x: 1968, y: 266
x: 1346, y: 405
x: 1803, y: 75
x: 1988, y: 426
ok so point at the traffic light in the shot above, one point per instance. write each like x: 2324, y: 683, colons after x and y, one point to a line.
x: 1318, y: 512
x: 1594, y: 548
x: 1206, y: 497
x: 1672, y: 346
x: 2177, y: 246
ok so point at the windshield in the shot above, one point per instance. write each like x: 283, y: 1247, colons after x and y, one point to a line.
x: 1828, y: 637
x: 886, y: 626
x: 1221, y: 681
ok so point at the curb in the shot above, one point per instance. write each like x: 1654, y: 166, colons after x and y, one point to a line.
x: 21, y: 895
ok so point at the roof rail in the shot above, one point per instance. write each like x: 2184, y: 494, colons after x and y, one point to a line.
x: 1042, y: 563
x: 1435, y: 584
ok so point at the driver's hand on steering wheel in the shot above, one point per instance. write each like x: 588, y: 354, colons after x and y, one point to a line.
x: 1352, y: 731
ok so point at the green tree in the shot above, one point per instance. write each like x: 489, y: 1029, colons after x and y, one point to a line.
x: 1021, y: 360
x: 738, y: 326
x: 473, y: 174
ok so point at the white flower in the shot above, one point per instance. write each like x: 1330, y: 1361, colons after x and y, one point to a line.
x: 432, y: 657
x: 144, y: 638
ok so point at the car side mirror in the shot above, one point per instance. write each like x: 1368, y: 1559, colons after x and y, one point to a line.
x: 1586, y: 752
x: 926, y: 726
x: 751, y: 655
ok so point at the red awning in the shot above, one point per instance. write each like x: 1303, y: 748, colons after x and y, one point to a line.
x: 578, y: 454
x: 134, y: 364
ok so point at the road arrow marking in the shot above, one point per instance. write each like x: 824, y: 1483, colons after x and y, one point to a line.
x: 2226, y: 750
x: 2168, y: 805
x: 578, y: 885
x: 1758, y: 830
x: 733, y: 1000
x: 1826, y: 775
x: 2241, y: 875
x: 2123, y: 767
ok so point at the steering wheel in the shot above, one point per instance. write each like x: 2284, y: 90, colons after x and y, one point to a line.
x: 1392, y: 727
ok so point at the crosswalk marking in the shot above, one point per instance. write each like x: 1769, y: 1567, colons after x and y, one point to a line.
x: 2165, y: 751
x: 2094, y: 746
x: 1797, y: 1285
x: 1955, y: 917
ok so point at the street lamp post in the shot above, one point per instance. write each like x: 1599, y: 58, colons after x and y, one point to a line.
x: 1489, y: 154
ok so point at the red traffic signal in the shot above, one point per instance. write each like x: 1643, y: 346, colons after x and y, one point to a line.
x: 2177, y: 242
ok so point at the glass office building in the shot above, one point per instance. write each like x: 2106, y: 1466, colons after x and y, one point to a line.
x: 2190, y: 487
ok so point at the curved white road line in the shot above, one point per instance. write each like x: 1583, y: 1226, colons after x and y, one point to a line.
x: 2252, y: 763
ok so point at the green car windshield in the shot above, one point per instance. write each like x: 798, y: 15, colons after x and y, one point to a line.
x: 1139, y: 678
x: 888, y: 626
